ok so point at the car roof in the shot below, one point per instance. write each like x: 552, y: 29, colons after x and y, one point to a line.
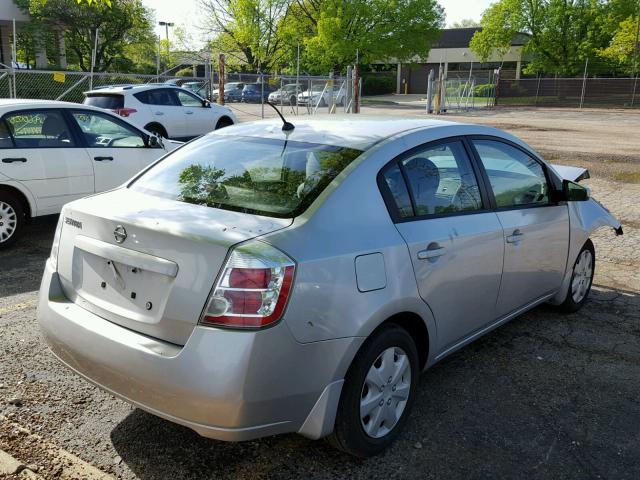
x: 131, y: 88
x: 352, y: 131
x: 16, y: 103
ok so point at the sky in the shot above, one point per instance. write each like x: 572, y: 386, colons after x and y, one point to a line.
x: 186, y: 12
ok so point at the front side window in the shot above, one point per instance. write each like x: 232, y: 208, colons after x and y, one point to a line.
x: 247, y: 174
x: 39, y: 129
x: 441, y: 180
x: 102, y: 131
x: 516, y: 178
x: 188, y: 100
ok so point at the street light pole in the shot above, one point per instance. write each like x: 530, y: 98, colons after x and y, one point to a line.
x: 166, y: 26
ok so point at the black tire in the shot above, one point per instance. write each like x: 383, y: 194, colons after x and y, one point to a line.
x: 571, y: 303
x: 12, y: 219
x: 293, y: 100
x: 349, y: 433
x: 157, y: 129
x: 224, y: 122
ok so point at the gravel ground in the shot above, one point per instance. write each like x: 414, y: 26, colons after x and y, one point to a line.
x: 545, y: 396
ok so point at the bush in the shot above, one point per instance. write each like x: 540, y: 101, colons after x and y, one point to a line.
x: 378, y: 85
x: 485, y: 90
x: 185, y: 72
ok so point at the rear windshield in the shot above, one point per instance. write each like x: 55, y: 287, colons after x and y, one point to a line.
x: 111, y: 102
x: 246, y: 174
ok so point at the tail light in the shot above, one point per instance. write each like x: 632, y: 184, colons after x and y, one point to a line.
x: 56, y: 241
x: 124, y: 112
x: 253, y: 288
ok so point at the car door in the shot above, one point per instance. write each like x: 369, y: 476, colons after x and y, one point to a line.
x: 536, y: 229
x: 454, y: 240
x: 47, y: 158
x: 118, y: 150
x: 166, y: 109
x: 199, y: 118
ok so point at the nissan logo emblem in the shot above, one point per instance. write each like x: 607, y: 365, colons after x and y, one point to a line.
x: 120, y: 234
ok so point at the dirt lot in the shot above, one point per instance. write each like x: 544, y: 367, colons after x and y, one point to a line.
x: 545, y: 396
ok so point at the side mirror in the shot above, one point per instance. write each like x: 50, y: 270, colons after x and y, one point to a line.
x: 572, y: 192
x: 206, y: 103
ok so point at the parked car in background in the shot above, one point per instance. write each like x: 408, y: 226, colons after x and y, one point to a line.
x: 287, y: 95
x: 196, y: 87
x: 171, y: 112
x: 255, y: 93
x: 232, y: 92
x: 54, y: 152
x: 211, y: 289
x: 315, y: 96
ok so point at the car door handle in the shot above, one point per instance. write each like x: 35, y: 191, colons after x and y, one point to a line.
x: 159, y: 113
x: 431, y: 253
x: 189, y: 112
x: 103, y: 159
x: 11, y: 160
x: 515, y: 237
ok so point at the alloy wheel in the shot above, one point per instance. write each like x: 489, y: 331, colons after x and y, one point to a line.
x: 582, y: 275
x: 385, y: 392
x: 8, y: 221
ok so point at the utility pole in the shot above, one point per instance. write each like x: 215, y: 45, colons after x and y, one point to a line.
x: 221, y: 79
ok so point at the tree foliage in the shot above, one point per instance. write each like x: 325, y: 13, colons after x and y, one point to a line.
x: 624, y: 48
x: 267, y: 33
x: 563, y: 33
x: 465, y: 23
x: 122, y: 25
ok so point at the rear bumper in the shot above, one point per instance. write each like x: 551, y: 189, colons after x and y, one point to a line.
x: 224, y: 384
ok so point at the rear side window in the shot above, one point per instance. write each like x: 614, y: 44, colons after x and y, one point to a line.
x: 441, y: 180
x: 247, y: 174
x: 110, y: 102
x: 398, y: 189
x: 516, y: 178
x: 5, y: 135
x: 164, y: 96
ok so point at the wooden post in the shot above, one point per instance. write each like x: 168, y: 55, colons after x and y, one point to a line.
x: 221, y: 79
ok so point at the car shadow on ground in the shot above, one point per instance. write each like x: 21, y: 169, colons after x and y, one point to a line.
x: 22, y: 264
x: 545, y: 396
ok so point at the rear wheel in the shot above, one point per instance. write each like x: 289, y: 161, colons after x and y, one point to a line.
x: 11, y: 219
x: 292, y: 100
x: 581, y: 279
x: 378, y: 393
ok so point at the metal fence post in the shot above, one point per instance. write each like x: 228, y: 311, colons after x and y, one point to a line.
x: 430, y: 91
x: 356, y: 89
x: 584, y: 82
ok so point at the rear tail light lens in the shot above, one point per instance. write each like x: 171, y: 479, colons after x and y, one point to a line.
x: 56, y: 242
x: 252, y: 290
x: 124, y: 112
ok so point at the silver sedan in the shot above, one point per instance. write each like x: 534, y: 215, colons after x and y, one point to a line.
x: 263, y: 280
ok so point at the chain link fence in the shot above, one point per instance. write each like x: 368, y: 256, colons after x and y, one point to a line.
x: 570, y: 92
x: 302, y: 95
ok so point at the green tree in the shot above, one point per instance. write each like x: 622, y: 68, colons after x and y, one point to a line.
x: 246, y: 29
x: 624, y: 49
x: 562, y: 33
x: 122, y: 24
x: 376, y: 29
x: 465, y: 23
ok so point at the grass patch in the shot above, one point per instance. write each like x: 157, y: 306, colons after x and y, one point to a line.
x: 627, y: 177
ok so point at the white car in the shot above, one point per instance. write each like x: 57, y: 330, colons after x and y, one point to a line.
x: 315, y: 96
x: 54, y: 152
x: 167, y: 110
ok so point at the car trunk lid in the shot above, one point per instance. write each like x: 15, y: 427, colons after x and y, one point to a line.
x: 148, y: 263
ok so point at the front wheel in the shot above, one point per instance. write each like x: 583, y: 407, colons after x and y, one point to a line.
x: 581, y: 279
x: 11, y: 219
x: 378, y: 393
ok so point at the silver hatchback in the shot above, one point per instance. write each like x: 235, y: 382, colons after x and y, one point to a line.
x: 259, y: 281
